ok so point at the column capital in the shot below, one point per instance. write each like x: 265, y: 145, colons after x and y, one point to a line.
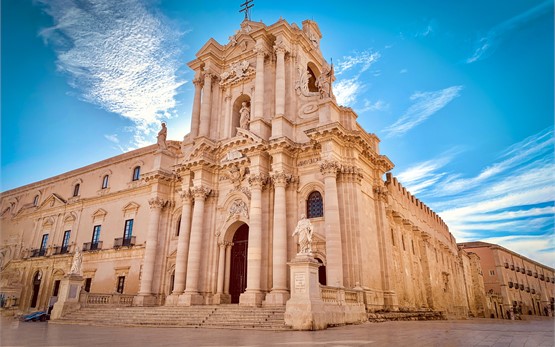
x: 280, y: 48
x: 200, y: 192
x: 258, y: 180
x: 330, y: 168
x: 260, y: 51
x: 157, y: 203
x: 281, y: 179
x: 198, y: 82
x: 381, y: 193
x: 186, y: 196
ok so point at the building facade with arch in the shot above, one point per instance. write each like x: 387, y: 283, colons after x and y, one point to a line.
x: 209, y: 220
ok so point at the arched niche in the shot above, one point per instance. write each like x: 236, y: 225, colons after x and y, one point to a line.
x: 313, y: 74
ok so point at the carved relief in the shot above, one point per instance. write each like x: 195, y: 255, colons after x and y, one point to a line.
x: 186, y: 195
x: 200, y: 192
x: 237, y: 72
x: 329, y: 167
x: 258, y: 180
x: 301, y: 85
x: 238, y: 208
x: 281, y: 179
x: 236, y: 175
x: 308, y: 161
x: 157, y: 203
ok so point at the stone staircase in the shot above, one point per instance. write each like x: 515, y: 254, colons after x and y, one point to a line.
x: 216, y: 316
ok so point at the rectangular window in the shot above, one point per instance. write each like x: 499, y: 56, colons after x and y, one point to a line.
x: 121, y: 283
x: 88, y: 285
x: 65, y: 241
x: 128, y: 229
x: 492, y: 272
x: 43, y: 244
x: 95, y: 236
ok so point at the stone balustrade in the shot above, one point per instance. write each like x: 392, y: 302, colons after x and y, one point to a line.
x: 95, y: 299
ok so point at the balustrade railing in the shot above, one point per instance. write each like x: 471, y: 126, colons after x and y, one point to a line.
x: 340, y: 295
x: 96, y: 299
x: 90, y: 246
x: 124, y: 242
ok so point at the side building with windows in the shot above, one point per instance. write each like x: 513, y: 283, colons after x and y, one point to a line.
x: 209, y: 220
x: 514, y: 284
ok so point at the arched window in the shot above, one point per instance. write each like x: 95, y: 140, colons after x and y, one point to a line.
x: 321, y: 272
x: 76, y: 189
x: 314, y: 205
x: 136, y: 173
x: 105, y: 182
x: 311, y: 80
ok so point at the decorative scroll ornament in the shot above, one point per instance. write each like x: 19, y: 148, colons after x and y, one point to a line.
x: 237, y: 72
x: 236, y: 175
x: 238, y: 208
x: 329, y: 167
x: 301, y: 85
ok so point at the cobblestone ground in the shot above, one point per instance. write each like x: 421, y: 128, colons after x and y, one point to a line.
x: 475, y: 332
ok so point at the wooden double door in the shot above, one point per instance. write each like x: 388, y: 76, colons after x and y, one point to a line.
x: 238, y: 266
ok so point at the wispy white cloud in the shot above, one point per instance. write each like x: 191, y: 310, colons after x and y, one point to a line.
x: 424, y: 105
x: 540, y: 248
x: 511, y: 199
x: 346, y: 90
x: 112, y: 138
x: 485, y: 45
x: 364, y: 59
x: 378, y: 105
x: 119, y: 55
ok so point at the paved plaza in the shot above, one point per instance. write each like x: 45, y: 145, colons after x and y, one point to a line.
x: 475, y: 332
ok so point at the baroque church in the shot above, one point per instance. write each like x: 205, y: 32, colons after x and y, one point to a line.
x: 209, y: 220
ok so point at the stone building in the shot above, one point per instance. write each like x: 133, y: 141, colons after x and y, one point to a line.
x: 209, y: 220
x: 513, y: 283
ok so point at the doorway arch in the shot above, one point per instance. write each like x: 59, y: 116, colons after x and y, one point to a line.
x: 36, y: 288
x: 238, y: 265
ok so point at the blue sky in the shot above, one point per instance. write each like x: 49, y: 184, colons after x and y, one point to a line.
x: 460, y: 93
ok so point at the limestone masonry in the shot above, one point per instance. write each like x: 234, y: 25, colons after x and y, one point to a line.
x: 209, y: 220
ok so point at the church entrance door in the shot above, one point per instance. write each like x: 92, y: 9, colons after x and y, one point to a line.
x: 238, y: 270
x: 36, y: 288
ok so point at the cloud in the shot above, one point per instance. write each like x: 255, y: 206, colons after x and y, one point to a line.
x: 346, y: 90
x: 508, y: 201
x: 365, y: 59
x: 118, y: 55
x: 424, y: 105
x: 112, y: 138
x: 378, y: 105
x: 486, y: 45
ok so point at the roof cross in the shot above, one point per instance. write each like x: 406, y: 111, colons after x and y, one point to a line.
x: 247, y: 5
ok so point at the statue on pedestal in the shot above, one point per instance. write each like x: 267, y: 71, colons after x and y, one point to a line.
x: 76, y: 264
x: 162, y: 137
x: 304, y: 230
x: 245, y: 116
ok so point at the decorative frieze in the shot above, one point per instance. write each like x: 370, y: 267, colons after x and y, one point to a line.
x: 238, y: 71
x: 330, y: 167
x: 309, y: 161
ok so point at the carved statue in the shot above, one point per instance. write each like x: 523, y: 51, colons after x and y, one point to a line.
x: 162, y: 137
x: 245, y: 116
x: 304, y: 230
x: 76, y: 264
x: 236, y: 175
x: 324, y: 83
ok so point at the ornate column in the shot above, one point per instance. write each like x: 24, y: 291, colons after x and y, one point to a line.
x: 228, y: 266
x: 221, y: 268
x: 259, y: 82
x: 156, y: 206
x: 205, y: 110
x: 183, y: 244
x: 252, y: 295
x: 280, y: 50
x: 197, y: 81
x: 334, y: 252
x: 279, y: 294
x: 191, y: 295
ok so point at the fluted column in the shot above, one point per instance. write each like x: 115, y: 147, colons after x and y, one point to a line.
x: 279, y: 293
x: 191, y: 295
x: 280, y: 78
x: 259, y: 83
x: 252, y: 295
x: 221, y: 268
x: 156, y: 205
x: 334, y: 253
x: 183, y: 244
x: 228, y: 266
x: 229, y: 130
x: 196, y: 106
x: 206, y: 107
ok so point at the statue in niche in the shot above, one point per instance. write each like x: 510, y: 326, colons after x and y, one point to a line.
x: 162, y: 137
x: 304, y: 231
x: 76, y: 264
x: 245, y: 118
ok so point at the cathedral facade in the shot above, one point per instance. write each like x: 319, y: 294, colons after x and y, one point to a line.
x: 210, y: 219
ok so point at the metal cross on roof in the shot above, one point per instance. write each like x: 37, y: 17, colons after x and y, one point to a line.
x: 247, y: 5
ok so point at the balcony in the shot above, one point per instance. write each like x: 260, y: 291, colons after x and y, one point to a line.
x: 60, y: 250
x: 124, y: 242
x: 89, y: 246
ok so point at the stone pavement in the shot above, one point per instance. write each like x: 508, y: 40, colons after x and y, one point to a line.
x: 475, y: 332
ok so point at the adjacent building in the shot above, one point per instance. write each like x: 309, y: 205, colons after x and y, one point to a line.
x: 209, y: 220
x: 513, y: 283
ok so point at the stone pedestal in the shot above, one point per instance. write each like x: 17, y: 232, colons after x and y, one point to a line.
x: 220, y: 298
x: 171, y: 300
x: 276, y: 298
x: 145, y: 300
x: 189, y: 299
x: 305, y: 310
x: 68, y: 296
x: 252, y: 298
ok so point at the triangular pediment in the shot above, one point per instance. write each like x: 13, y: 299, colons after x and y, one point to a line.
x: 54, y: 200
x: 99, y: 213
x: 132, y: 206
x: 211, y: 47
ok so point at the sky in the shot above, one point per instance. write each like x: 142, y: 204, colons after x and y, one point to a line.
x: 459, y: 92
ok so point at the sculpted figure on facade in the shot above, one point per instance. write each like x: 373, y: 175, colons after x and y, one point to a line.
x: 324, y: 83
x: 76, y: 263
x: 162, y: 137
x: 238, y: 71
x: 245, y: 113
x: 304, y: 231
